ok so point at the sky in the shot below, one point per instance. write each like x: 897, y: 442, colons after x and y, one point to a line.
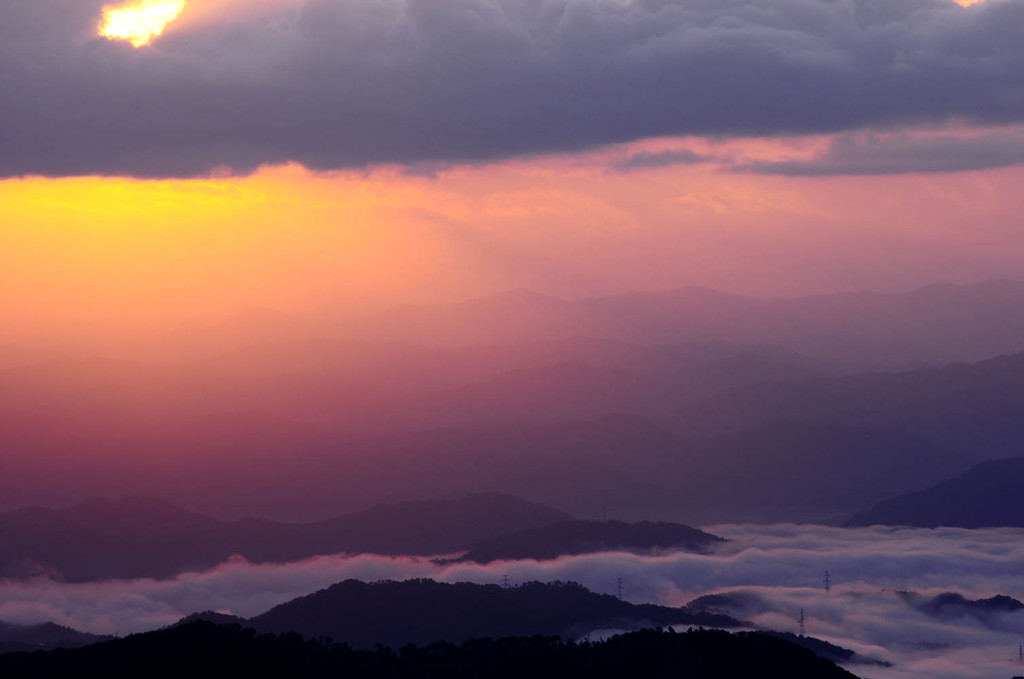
x: 163, y: 162
x: 175, y: 162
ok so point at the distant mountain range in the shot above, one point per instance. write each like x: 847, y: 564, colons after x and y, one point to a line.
x: 44, y: 637
x: 987, y: 495
x: 584, y: 537
x: 638, y: 471
x: 205, y: 650
x: 935, y: 324
x: 688, y: 406
x: 138, y: 537
x: 971, y: 408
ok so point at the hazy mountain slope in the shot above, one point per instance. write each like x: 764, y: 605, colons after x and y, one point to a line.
x: 791, y: 471
x: 939, y: 323
x: 638, y: 471
x: 424, y: 611
x: 432, y: 526
x: 44, y: 637
x: 139, y: 537
x: 585, y: 537
x: 408, y: 367
x: 365, y: 389
x: 635, y: 470
x: 988, y: 494
x: 971, y: 408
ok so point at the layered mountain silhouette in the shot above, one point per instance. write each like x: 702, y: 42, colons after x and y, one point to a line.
x: 952, y: 605
x: 44, y: 637
x: 316, y: 390
x: 987, y: 495
x: 203, y: 649
x: 935, y: 324
x: 634, y: 400
x: 781, y: 471
x: 585, y: 537
x: 971, y: 408
x: 424, y: 611
x: 139, y: 537
x: 778, y: 471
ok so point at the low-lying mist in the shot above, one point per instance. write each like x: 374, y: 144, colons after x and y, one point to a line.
x: 779, y: 570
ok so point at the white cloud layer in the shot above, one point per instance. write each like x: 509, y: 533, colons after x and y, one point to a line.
x: 780, y: 566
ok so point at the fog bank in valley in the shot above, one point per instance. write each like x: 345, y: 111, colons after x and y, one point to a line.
x: 777, y: 570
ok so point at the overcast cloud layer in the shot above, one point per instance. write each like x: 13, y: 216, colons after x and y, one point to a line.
x: 345, y: 83
x: 780, y: 569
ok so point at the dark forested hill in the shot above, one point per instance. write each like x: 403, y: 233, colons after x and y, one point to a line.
x: 424, y: 611
x: 204, y: 650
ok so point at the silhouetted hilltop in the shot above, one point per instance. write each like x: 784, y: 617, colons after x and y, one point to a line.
x: 953, y: 605
x: 214, y: 617
x: 736, y: 602
x: 204, y: 650
x: 584, y: 537
x: 824, y: 649
x: 140, y: 537
x: 44, y: 637
x: 988, y: 494
x: 424, y: 611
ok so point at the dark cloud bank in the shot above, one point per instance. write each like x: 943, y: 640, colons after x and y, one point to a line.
x: 872, y: 154
x: 336, y: 84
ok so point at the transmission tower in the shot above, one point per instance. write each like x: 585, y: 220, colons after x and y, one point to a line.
x: 618, y: 586
x: 828, y: 581
x: 803, y: 627
x: 504, y: 581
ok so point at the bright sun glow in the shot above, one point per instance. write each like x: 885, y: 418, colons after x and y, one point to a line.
x: 139, y: 22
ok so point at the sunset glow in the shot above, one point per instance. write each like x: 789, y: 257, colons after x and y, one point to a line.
x: 139, y: 22
x: 659, y: 312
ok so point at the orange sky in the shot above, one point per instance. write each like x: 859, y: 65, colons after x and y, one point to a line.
x: 128, y: 253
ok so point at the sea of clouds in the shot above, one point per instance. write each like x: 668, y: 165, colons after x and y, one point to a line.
x: 779, y: 569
